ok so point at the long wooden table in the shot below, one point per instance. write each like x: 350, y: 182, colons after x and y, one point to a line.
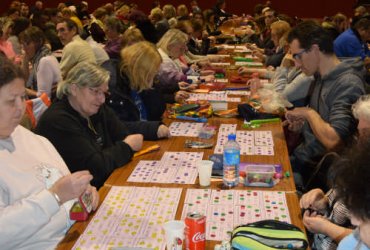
x: 119, y: 176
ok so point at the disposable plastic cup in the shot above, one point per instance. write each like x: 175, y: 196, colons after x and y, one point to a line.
x: 174, y: 234
x: 205, y: 172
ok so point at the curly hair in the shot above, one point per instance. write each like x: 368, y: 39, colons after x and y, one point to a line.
x: 351, y: 181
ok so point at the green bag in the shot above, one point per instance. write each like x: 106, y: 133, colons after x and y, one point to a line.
x: 268, y: 235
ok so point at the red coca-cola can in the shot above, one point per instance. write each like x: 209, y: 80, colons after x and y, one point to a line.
x: 195, y: 231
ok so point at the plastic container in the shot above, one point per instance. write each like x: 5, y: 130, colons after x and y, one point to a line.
x: 259, y: 175
x: 231, y: 162
x: 254, y: 84
x: 206, y: 132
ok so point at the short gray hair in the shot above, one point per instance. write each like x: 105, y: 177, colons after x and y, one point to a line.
x: 361, y: 109
x: 84, y: 74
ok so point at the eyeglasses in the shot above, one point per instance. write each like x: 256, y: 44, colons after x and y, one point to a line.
x: 98, y: 92
x: 298, y: 56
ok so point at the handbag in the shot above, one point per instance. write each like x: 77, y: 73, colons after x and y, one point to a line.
x: 268, y: 235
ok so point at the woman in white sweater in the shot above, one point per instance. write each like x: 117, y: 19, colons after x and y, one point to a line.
x: 36, y: 187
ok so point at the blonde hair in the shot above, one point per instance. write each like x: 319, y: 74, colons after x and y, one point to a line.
x: 170, y: 38
x: 124, y: 10
x: 169, y: 11
x: 182, y: 10
x: 130, y: 36
x: 140, y: 62
x: 84, y: 74
x: 156, y: 14
x: 281, y: 27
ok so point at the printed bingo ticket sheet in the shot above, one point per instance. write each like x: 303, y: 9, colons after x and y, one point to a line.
x: 226, y: 209
x: 131, y: 217
x: 174, y: 167
x: 250, y: 142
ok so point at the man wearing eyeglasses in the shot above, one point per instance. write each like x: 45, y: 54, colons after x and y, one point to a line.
x: 326, y: 123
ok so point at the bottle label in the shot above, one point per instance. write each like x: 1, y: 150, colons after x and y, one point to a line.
x: 231, y: 157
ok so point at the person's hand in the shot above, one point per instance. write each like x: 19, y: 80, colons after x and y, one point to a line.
x: 294, y: 125
x: 180, y: 96
x: 183, y: 85
x: 296, y: 114
x: 135, y: 141
x: 316, y: 223
x: 251, y: 46
x: 71, y: 186
x: 209, y: 78
x: 187, y: 86
x: 260, y: 56
x: 243, y: 70
x: 249, y: 31
x: 163, y: 131
x: 315, y: 199
x: 91, y: 190
x: 194, y: 67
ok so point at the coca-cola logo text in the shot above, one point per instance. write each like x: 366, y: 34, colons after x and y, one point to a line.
x: 199, y: 237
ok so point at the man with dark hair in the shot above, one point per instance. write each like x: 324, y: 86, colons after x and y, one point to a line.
x: 353, y: 41
x: 75, y: 49
x: 327, y: 122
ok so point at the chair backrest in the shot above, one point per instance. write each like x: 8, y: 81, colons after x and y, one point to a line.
x: 36, y: 107
x: 321, y: 176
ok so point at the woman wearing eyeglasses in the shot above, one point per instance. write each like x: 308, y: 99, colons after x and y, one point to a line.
x: 37, y: 189
x: 88, y: 134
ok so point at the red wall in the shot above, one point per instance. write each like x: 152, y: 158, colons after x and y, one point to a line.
x: 305, y: 9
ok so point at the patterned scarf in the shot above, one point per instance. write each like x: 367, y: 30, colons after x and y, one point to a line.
x: 32, y: 79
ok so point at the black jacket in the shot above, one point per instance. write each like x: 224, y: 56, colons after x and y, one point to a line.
x: 83, y: 149
x: 120, y: 96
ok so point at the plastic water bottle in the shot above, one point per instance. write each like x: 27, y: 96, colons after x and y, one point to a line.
x: 231, y: 162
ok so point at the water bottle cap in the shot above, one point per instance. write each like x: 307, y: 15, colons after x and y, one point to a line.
x: 231, y: 137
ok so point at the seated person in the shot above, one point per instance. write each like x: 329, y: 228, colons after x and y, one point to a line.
x: 130, y: 36
x: 279, y: 32
x: 327, y: 217
x: 132, y: 96
x: 45, y: 73
x: 291, y: 82
x: 327, y: 123
x: 353, y: 41
x: 87, y: 133
x: 171, y: 77
x: 113, y: 31
x: 353, y: 190
x: 37, y: 189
